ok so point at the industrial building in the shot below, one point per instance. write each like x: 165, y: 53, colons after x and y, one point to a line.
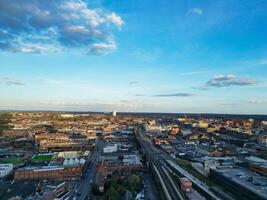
x: 250, y: 186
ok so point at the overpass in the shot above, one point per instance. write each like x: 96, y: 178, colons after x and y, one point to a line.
x: 156, y: 160
x: 163, y: 166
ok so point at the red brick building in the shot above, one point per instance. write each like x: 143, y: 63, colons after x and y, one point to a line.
x: 49, y: 173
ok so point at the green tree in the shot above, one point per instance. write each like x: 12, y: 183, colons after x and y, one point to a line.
x: 112, y: 194
x: 134, y: 183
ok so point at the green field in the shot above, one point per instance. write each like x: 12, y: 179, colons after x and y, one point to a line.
x: 12, y: 160
x: 42, y: 157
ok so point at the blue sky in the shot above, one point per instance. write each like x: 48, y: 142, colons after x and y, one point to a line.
x: 134, y: 55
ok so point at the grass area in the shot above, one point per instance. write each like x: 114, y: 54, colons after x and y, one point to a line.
x: 12, y: 160
x: 188, y: 167
x: 42, y: 157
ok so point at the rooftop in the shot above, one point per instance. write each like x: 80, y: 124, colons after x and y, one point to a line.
x: 249, y: 180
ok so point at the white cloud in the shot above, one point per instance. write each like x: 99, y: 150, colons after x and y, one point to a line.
x: 191, y: 73
x: 115, y: 19
x: 261, y: 62
x: 74, y: 5
x: 134, y: 82
x: 195, y: 11
x: 229, y: 80
x: 257, y: 102
x: 245, y: 103
x: 66, y: 105
x: 11, y: 81
x: 35, y: 48
x: 29, y: 26
x: 181, y: 94
x: 102, y: 48
x: 147, y: 56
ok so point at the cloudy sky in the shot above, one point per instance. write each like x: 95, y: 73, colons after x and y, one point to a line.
x: 134, y: 55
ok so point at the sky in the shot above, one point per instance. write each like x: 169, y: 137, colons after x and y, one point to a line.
x: 134, y: 55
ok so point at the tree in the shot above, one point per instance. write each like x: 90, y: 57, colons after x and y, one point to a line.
x: 134, y: 183
x: 112, y: 194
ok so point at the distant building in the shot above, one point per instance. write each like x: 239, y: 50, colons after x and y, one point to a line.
x: 257, y: 164
x: 60, y: 141
x: 203, y: 124
x: 263, y: 140
x: 214, y: 162
x: 108, y: 167
x: 110, y: 148
x: 186, y: 132
x: 68, y: 154
x: 67, y: 115
x: 168, y: 148
x: 131, y: 160
x: 114, y: 113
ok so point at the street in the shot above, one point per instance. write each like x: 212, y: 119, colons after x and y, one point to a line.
x: 151, y: 190
x: 84, y: 186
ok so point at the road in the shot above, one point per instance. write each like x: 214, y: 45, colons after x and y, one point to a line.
x: 84, y: 186
x: 150, y: 188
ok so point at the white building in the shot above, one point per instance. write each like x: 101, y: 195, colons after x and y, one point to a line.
x: 110, y: 148
x: 131, y: 160
x: 73, y: 161
x: 114, y: 113
x: 186, y: 132
x: 215, y: 162
x: 263, y: 140
x: 5, y: 169
x: 68, y: 154
x: 67, y: 115
x: 257, y: 160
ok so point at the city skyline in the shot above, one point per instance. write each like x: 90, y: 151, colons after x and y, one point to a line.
x: 135, y: 56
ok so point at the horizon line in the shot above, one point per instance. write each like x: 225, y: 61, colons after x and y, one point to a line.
x: 131, y: 112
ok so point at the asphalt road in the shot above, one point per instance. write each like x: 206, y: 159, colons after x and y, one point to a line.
x: 151, y: 190
x: 84, y: 186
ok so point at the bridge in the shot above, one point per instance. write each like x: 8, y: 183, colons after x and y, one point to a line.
x: 156, y: 161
